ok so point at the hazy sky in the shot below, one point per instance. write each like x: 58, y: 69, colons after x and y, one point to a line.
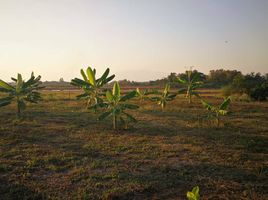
x: 137, y: 39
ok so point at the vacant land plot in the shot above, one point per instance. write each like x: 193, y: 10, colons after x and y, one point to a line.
x: 60, y: 151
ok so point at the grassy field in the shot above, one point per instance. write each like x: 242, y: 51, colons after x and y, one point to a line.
x: 60, y: 151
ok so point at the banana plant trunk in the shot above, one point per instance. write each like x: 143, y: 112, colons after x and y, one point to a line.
x: 114, y: 122
x: 190, y: 98
x: 189, y: 95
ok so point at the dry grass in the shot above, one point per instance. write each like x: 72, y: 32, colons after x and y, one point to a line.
x: 60, y: 151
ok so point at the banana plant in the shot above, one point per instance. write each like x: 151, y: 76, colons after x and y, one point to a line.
x: 20, y: 92
x: 92, y: 87
x: 194, y: 194
x: 164, y: 97
x: 217, y: 111
x: 116, y: 106
x: 191, y: 83
x: 143, y: 94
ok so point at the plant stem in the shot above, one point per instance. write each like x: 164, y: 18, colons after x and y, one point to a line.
x: 190, y: 98
x: 114, y: 122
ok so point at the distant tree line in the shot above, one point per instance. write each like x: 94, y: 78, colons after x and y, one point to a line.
x: 215, y: 79
x: 255, y: 85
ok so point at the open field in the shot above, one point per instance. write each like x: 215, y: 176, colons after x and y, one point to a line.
x: 60, y: 151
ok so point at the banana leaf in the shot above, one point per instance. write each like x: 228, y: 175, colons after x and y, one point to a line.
x: 128, y: 96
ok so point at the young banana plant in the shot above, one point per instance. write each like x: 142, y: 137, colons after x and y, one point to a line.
x: 194, y: 194
x: 164, y: 97
x: 143, y: 95
x: 191, y: 83
x: 216, y: 111
x: 116, y: 106
x: 92, y: 86
x: 22, y: 91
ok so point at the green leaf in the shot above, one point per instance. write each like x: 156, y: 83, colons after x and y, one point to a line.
x: 206, y: 105
x: 225, y: 104
x: 109, y: 96
x: 30, y: 82
x: 128, y: 96
x: 5, y: 101
x: 138, y: 92
x: 105, y: 74
x: 5, y: 85
x: 181, y: 80
x: 198, y: 83
x: 4, y: 90
x: 109, y: 79
x: 130, y: 106
x: 172, y: 96
x: 14, y: 79
x: 130, y: 117
x: 104, y: 115
x: 38, y: 78
x: 116, y: 90
x: 167, y: 88
x: 195, y: 78
x: 98, y: 105
x: 91, y: 76
x: 80, y: 83
x: 191, y: 196
x: 155, y: 98
x: 222, y: 112
x: 195, y: 190
x: 19, y: 83
x: 194, y: 194
x: 84, y: 75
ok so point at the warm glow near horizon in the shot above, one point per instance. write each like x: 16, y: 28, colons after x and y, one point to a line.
x: 138, y: 40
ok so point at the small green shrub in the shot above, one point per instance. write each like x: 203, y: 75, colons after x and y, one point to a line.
x: 191, y: 83
x: 194, y: 194
x: 93, y: 87
x: 116, y: 106
x: 216, y: 111
x: 21, y: 92
x: 164, y: 97
x: 143, y: 94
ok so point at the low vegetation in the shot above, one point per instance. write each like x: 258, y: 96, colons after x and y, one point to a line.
x: 194, y: 194
x: 116, y: 106
x: 21, y: 92
x: 92, y: 87
x: 143, y: 95
x: 191, y: 84
x: 164, y: 97
x: 217, y: 111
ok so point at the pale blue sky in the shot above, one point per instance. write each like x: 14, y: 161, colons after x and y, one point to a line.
x: 137, y: 39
